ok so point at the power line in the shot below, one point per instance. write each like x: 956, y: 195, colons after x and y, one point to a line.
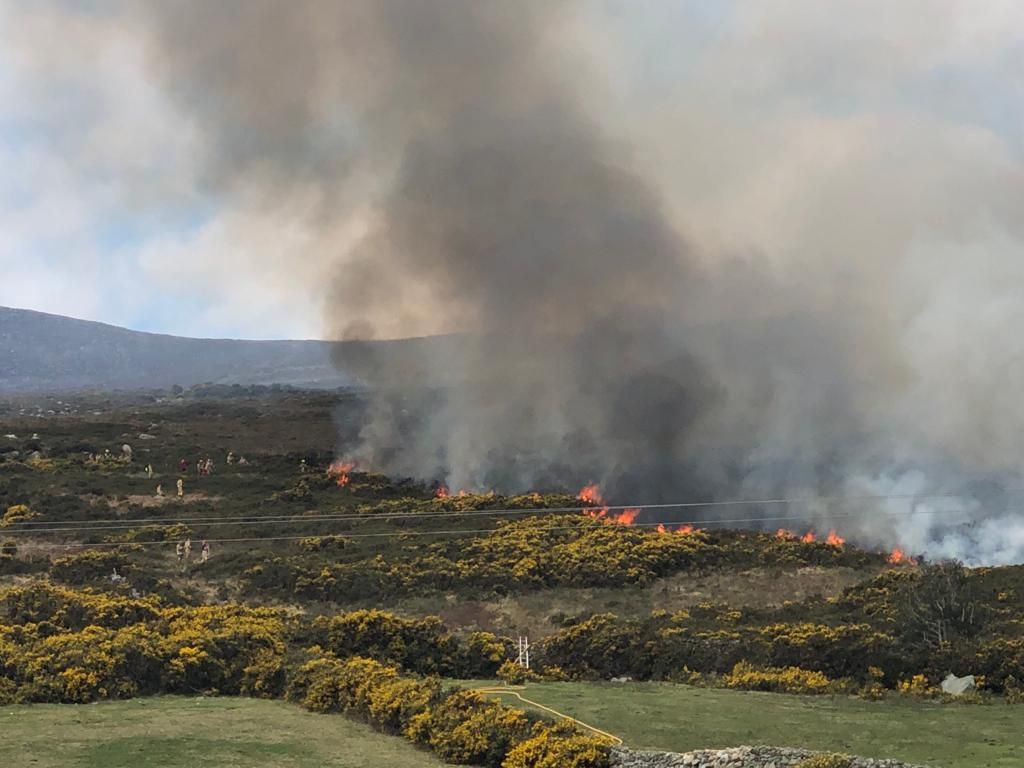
x: 459, y: 532
x: 29, y: 526
x: 297, y: 520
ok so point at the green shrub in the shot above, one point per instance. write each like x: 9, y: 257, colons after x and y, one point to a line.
x: 917, y: 687
x: 1013, y: 691
x: 322, y: 543
x: 418, y: 645
x: 89, y: 566
x: 512, y: 673
x: 393, y: 704
x: 17, y: 513
x: 467, y: 729
x: 484, y: 652
x: 8, y: 691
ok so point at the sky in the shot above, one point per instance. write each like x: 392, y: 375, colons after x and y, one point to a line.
x: 877, y: 134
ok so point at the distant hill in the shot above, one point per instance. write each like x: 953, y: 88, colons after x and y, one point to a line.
x: 43, y: 352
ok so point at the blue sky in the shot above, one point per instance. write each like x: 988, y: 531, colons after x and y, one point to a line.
x: 746, y: 114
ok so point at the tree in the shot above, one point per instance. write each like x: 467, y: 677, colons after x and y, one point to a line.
x: 940, y: 606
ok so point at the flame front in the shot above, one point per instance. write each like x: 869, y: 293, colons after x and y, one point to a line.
x: 808, y: 538
x: 683, y: 530
x: 782, y: 533
x: 591, y: 494
x: 626, y: 517
x: 835, y: 539
x: 339, y: 470
x: 441, y: 492
x: 897, y: 556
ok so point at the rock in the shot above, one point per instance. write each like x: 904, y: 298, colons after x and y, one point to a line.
x: 737, y: 757
x: 622, y: 679
x: 146, y: 436
x: 957, y: 686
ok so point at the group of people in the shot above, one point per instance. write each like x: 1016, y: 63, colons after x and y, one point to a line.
x: 204, y: 468
x: 124, y: 457
x: 181, y: 489
x: 184, y: 551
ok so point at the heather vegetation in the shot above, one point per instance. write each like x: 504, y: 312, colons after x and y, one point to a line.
x: 349, y: 592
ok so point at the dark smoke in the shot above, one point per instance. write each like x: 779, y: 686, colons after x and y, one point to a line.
x: 505, y: 207
x: 591, y: 341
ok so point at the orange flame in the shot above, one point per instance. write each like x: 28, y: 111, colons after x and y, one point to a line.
x: 835, y: 539
x: 897, y: 556
x: 808, y: 537
x: 683, y: 530
x: 340, y: 469
x: 782, y: 533
x: 661, y: 528
x: 441, y: 492
x: 626, y: 517
x: 591, y: 494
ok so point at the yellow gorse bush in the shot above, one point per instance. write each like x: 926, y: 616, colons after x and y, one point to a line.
x: 63, y: 645
x: 747, y: 677
x: 918, y: 687
x: 558, y: 745
x: 17, y: 513
x: 829, y: 760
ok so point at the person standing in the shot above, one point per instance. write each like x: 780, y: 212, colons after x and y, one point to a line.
x: 179, y: 550
x: 205, y: 552
x: 188, y: 548
x: 181, y: 489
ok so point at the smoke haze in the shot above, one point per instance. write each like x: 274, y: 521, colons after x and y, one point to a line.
x: 790, y: 266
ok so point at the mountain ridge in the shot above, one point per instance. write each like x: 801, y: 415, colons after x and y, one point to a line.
x: 40, y: 351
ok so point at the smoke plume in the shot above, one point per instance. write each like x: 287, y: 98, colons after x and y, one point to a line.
x: 772, y: 303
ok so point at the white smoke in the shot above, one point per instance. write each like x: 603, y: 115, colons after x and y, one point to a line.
x: 769, y: 248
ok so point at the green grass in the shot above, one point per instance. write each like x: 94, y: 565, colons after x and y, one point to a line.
x: 211, y: 732
x: 680, y: 718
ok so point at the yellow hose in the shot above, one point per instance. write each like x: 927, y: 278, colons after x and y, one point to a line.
x: 513, y: 691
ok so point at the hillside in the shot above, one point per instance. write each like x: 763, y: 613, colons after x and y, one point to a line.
x: 346, y: 591
x: 42, y: 352
x: 49, y: 353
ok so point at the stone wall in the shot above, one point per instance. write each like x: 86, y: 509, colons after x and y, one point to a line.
x: 739, y: 757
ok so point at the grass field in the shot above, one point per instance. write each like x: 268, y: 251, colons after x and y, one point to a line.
x: 235, y: 732
x: 213, y: 733
x: 680, y: 718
